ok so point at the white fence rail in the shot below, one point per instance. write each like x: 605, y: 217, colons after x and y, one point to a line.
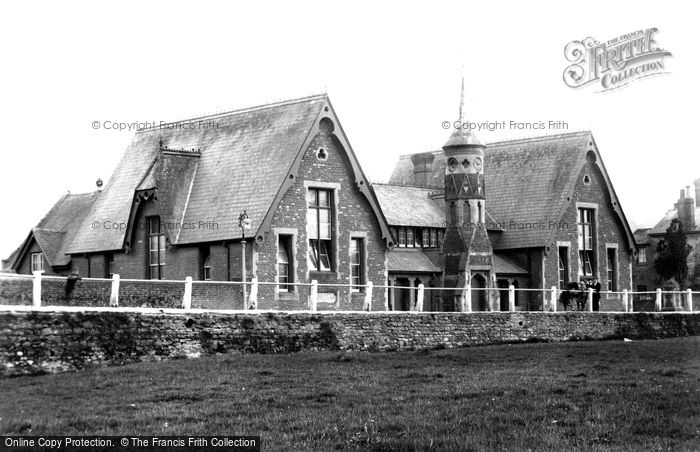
x: 498, y: 299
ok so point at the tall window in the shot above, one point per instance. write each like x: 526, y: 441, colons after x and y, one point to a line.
x: 357, y: 270
x: 585, y: 242
x: 425, y: 233
x: 402, y: 237
x: 284, y: 263
x: 109, y: 265
x: 563, y: 267
x: 37, y: 262
x: 439, y: 237
x: 320, y: 226
x: 156, y: 248
x: 612, y: 269
x: 205, y: 259
x: 642, y: 258
x: 433, y: 238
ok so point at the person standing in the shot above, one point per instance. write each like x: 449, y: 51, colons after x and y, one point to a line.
x: 596, y: 294
x: 71, y: 281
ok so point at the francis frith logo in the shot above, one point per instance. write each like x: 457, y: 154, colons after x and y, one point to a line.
x: 614, y: 63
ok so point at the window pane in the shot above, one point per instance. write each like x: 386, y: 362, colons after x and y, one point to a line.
x: 325, y: 223
x: 409, y: 237
x: 153, y: 257
x: 313, y: 255
x: 311, y: 197
x: 324, y: 199
x: 154, y: 225
x: 312, y: 224
x: 426, y: 237
x: 323, y: 256
x: 402, y: 236
x: 282, y: 256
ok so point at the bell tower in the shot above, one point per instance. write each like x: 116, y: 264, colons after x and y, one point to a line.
x: 467, y: 252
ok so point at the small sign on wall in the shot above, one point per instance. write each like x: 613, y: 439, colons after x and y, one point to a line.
x: 329, y: 298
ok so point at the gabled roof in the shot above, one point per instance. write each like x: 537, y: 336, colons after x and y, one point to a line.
x: 245, y: 155
x: 527, y: 180
x: 58, y: 227
x: 665, y: 222
x: 245, y: 160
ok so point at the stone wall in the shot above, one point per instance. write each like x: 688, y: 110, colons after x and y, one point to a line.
x: 47, y: 341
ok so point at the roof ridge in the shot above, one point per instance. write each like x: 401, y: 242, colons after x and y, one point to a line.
x: 238, y: 111
x: 408, y: 186
x: 523, y: 139
x: 543, y: 137
x: 48, y: 230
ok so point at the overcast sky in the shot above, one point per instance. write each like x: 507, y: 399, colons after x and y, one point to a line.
x: 392, y: 72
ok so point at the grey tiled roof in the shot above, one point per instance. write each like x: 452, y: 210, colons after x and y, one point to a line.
x: 410, y: 261
x: 665, y: 222
x: 244, y: 160
x: 58, y: 227
x: 410, y: 206
x: 506, y: 266
x: 526, y: 180
x: 641, y: 236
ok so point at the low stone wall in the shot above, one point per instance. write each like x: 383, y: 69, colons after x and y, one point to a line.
x: 51, y: 341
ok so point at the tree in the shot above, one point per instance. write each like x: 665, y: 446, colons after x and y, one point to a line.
x: 672, y: 254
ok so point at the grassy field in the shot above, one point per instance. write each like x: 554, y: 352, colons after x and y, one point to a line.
x: 642, y: 395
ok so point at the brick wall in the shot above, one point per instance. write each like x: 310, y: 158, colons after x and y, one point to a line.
x: 353, y: 214
x: 608, y: 229
x: 36, y: 342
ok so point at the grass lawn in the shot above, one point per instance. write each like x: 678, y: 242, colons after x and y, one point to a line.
x: 642, y: 395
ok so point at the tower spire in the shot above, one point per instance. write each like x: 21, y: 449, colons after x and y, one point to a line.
x: 462, y: 135
x: 461, y: 100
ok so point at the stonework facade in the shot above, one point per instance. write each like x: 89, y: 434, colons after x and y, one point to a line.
x: 531, y: 213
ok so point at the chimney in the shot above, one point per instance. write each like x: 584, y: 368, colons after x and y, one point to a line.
x: 422, y: 169
x: 697, y: 192
x: 686, y: 210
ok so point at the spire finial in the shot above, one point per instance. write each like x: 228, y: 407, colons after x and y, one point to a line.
x: 461, y: 100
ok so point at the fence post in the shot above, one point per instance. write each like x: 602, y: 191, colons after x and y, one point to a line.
x: 313, y: 295
x: 657, y: 305
x: 590, y: 299
x: 420, y: 297
x: 36, y: 288
x: 467, y: 298
x: 626, y: 300
x: 367, y: 306
x: 187, y: 297
x: 511, y: 298
x: 114, y: 296
x: 690, y: 300
x: 554, y: 299
x: 253, y: 297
